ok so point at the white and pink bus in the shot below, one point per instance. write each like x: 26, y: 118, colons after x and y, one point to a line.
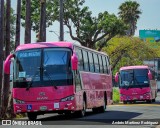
x: 136, y: 83
x: 59, y: 77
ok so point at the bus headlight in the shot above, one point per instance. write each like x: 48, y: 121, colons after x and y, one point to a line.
x: 16, y: 101
x: 69, y: 98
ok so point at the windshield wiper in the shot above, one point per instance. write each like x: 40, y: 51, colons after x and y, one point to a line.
x: 32, y: 79
x: 49, y: 77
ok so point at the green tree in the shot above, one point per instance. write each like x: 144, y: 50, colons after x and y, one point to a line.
x: 90, y: 30
x: 79, y: 20
x: 125, y: 51
x: 12, y: 30
x: 129, y: 12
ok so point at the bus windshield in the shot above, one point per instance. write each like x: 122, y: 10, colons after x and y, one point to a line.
x: 134, y: 78
x: 43, y: 67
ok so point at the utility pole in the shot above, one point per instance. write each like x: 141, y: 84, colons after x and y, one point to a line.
x: 61, y: 21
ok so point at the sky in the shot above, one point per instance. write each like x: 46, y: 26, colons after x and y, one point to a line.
x: 149, y: 19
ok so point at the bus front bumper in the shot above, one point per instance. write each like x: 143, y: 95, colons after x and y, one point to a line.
x: 135, y: 97
x: 44, y: 106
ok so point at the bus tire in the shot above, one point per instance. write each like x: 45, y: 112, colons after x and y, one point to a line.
x: 32, y: 116
x: 103, y: 108
x: 60, y: 113
x: 124, y: 102
x: 149, y: 101
x: 67, y: 113
x: 153, y: 100
x: 95, y: 110
x: 82, y: 112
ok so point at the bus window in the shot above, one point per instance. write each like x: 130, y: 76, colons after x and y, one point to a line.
x: 78, y: 81
x: 104, y: 64
x: 91, y: 66
x: 96, y: 63
x: 100, y: 63
x: 108, y: 70
x: 85, y: 60
x: 80, y: 59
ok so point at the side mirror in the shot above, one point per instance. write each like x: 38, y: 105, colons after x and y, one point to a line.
x: 74, y: 61
x: 7, y: 64
x: 116, y: 77
x: 150, y: 75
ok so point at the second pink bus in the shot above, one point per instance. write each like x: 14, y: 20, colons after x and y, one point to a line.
x: 136, y: 83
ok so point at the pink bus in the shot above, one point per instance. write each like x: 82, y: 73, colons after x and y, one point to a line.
x: 136, y: 83
x: 59, y: 77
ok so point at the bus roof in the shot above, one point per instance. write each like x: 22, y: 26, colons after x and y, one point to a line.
x: 53, y: 44
x: 44, y: 45
x: 134, y: 67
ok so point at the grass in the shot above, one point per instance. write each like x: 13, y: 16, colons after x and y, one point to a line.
x: 116, y: 95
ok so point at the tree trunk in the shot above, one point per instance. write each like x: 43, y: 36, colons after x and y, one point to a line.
x: 28, y: 22
x: 43, y: 21
x: 18, y: 20
x: 1, y: 51
x: 61, y: 38
x: 6, y: 87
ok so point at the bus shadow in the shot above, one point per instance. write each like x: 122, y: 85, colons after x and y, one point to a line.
x: 142, y: 102
x: 91, y: 118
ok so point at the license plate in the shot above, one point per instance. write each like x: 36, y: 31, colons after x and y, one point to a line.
x: 43, y: 108
x: 56, y: 105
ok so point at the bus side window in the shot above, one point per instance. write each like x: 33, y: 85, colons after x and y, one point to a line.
x: 107, y: 61
x: 104, y: 64
x: 96, y: 62
x: 80, y: 59
x: 91, y: 66
x: 100, y: 63
x: 85, y: 60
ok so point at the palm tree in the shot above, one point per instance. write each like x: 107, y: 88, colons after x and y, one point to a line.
x: 129, y: 13
x: 18, y: 20
x: 1, y: 50
x: 42, y: 32
x: 28, y: 22
x: 6, y: 87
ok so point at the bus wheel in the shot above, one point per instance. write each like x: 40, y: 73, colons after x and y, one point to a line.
x: 95, y: 110
x: 103, y: 108
x: 67, y: 113
x: 32, y: 116
x: 153, y: 100
x: 124, y: 102
x: 82, y: 112
x: 149, y: 101
x: 60, y: 113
